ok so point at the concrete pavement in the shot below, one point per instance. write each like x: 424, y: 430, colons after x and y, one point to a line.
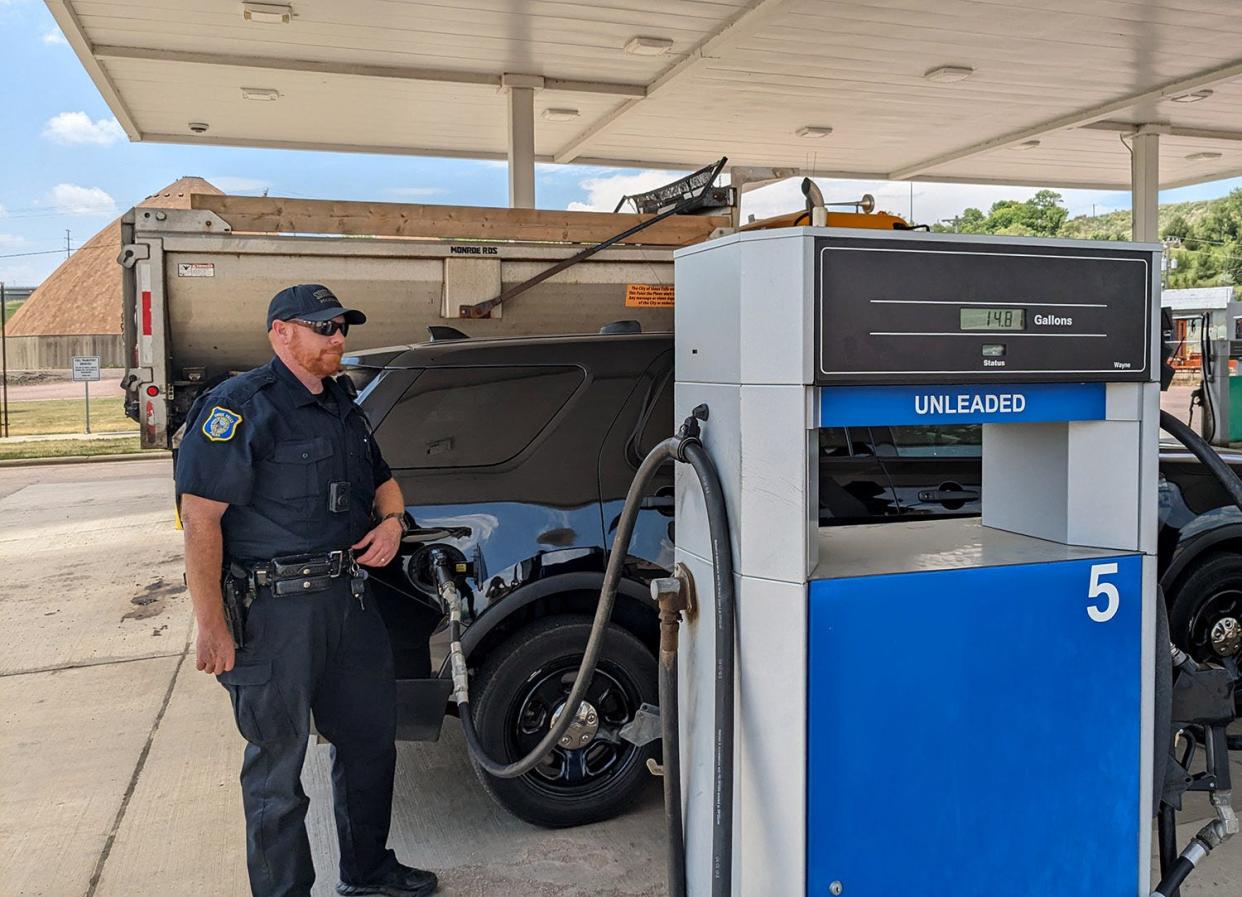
x: 121, y: 760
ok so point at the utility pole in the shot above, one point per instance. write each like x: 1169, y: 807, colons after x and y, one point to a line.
x: 4, y: 364
x: 66, y: 242
x: 955, y: 221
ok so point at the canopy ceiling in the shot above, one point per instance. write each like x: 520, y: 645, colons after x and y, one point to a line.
x: 1056, y: 88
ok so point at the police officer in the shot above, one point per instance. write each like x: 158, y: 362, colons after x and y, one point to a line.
x: 284, y: 498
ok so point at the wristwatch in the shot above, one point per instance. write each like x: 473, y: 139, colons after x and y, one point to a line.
x: 402, y: 518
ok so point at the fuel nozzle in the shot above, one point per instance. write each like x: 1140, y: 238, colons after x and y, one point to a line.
x: 690, y: 432
x: 445, y: 569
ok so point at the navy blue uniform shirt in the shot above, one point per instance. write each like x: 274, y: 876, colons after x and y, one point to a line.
x: 266, y: 445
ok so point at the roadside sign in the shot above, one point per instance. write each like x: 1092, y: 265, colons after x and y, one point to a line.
x: 86, y: 367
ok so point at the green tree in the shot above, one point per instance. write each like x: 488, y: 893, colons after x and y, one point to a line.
x: 1177, y: 228
x: 972, y: 221
x: 1044, y: 213
x: 1232, y: 261
x: 1206, y: 268
x: 1003, y: 214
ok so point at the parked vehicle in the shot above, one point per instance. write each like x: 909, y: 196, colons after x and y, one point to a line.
x: 529, y: 445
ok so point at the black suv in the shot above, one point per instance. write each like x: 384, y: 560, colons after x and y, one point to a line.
x: 521, y: 450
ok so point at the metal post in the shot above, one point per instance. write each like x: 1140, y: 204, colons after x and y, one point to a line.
x: 4, y: 364
x: 521, y: 89
x: 1145, y: 186
x: 87, y: 384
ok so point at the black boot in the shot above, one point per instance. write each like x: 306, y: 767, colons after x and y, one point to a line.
x: 401, y: 881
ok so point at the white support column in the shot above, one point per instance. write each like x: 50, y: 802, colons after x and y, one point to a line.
x: 521, y: 90
x: 1145, y: 185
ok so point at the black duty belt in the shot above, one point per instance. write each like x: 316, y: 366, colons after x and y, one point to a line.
x: 298, y: 574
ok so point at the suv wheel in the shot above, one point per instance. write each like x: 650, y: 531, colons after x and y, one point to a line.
x: 522, y: 688
x: 1206, y: 615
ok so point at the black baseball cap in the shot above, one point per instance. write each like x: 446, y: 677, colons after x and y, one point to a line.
x: 310, y: 302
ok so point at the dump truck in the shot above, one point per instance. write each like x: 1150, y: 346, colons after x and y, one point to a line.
x: 197, y: 281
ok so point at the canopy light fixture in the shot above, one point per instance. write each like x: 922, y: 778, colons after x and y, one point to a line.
x: 559, y: 114
x: 267, y: 94
x: 949, y: 74
x: 268, y: 13
x: 198, y: 127
x: 1193, y: 96
x: 1026, y: 145
x: 811, y: 132
x: 648, y: 46
x: 1203, y: 156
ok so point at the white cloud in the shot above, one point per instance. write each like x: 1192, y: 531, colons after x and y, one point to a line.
x: 77, y: 128
x: 53, y: 36
x: 230, y: 184
x: 70, y: 199
x: 416, y: 192
x: 603, y: 193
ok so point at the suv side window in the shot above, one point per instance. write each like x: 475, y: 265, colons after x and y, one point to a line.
x: 660, y: 424
x: 474, y: 417
x: 853, y: 487
x: 950, y: 441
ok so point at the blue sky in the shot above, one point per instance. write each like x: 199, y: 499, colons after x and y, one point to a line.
x: 68, y: 166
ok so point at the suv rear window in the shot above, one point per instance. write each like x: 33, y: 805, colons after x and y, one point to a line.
x: 474, y: 417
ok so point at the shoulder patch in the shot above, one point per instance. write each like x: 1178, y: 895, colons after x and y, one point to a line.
x: 221, y: 424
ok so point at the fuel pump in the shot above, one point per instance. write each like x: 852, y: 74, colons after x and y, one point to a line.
x: 970, y: 706
x: 1220, y: 388
x: 947, y: 707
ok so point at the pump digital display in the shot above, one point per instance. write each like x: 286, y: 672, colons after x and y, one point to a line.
x: 888, y: 308
x: 993, y: 318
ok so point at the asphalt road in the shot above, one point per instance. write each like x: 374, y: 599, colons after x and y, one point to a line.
x: 120, y: 761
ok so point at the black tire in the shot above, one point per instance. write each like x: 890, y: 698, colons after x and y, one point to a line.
x: 1211, y: 593
x: 516, y: 689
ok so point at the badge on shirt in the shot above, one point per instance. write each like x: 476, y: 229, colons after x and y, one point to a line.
x: 221, y: 424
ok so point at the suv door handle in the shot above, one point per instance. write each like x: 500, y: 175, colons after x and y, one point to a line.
x: 947, y: 495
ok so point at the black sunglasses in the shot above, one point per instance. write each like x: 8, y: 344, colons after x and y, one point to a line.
x: 323, y: 328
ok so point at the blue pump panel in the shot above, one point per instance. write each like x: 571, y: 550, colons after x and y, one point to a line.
x: 976, y: 732
x: 894, y: 406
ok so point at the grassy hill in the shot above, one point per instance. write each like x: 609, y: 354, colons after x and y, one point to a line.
x: 1203, y: 238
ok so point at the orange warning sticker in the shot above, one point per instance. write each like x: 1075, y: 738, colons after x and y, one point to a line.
x: 649, y: 295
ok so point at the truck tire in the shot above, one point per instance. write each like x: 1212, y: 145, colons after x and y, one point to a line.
x: 1205, y: 616
x: 521, y: 686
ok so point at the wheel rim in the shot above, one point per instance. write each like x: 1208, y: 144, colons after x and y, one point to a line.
x: 574, y: 773
x: 1216, y: 626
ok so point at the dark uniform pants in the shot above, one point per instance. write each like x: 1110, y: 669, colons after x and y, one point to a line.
x: 325, y: 654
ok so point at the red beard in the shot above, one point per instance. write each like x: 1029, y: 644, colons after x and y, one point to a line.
x: 322, y: 361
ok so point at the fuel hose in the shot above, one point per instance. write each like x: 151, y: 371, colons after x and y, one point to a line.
x: 442, y: 565
x: 686, y: 448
